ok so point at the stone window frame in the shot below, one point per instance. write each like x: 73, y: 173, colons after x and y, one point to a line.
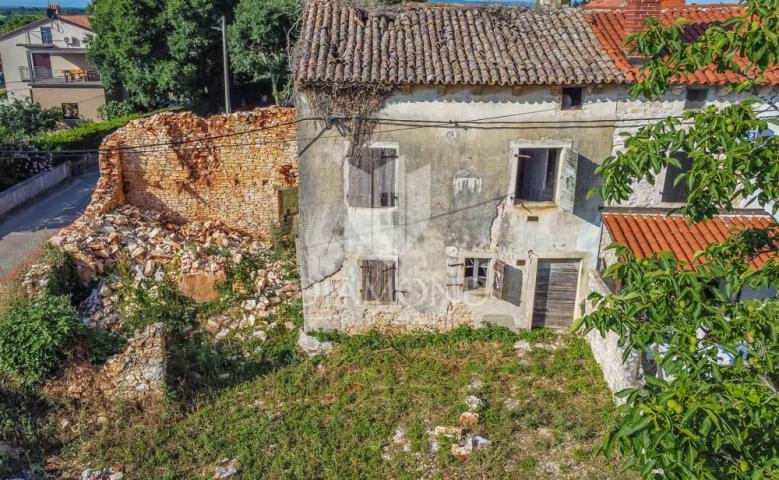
x: 346, y: 171
x: 482, y: 254
x: 516, y: 146
x: 531, y: 274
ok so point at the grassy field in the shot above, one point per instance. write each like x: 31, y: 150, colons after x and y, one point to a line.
x: 336, y: 416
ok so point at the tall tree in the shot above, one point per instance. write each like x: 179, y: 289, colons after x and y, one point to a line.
x: 260, y: 39
x: 159, y: 50
x: 711, y: 409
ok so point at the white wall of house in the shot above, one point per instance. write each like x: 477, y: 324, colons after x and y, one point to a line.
x: 15, y: 54
x: 454, y: 184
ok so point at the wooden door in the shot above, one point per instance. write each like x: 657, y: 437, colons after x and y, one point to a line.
x: 554, y: 301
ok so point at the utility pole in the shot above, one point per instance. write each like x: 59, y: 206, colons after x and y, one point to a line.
x: 228, y: 108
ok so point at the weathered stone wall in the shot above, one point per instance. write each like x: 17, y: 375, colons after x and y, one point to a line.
x: 225, y: 168
x: 619, y: 375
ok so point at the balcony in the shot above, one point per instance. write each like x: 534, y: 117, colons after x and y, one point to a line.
x: 48, y: 76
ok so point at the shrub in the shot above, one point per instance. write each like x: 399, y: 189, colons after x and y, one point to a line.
x: 85, y: 136
x: 22, y: 164
x: 63, y: 277
x: 113, y: 110
x: 33, y: 336
x: 24, y: 118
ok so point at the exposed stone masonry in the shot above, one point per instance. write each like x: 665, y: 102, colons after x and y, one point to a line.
x: 226, y: 168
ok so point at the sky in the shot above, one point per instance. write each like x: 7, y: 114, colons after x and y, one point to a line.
x: 83, y: 3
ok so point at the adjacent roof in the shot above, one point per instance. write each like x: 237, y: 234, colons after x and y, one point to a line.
x: 609, y: 29
x: 450, y: 45
x: 77, y: 20
x: 649, y: 234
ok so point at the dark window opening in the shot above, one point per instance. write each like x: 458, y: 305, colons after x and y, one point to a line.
x: 70, y: 111
x: 372, y: 178
x: 536, y: 174
x: 572, y: 97
x: 696, y: 98
x: 46, y: 37
x: 678, y: 192
x: 377, y: 281
x: 476, y: 270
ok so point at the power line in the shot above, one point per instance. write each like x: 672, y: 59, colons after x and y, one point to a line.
x: 408, y: 124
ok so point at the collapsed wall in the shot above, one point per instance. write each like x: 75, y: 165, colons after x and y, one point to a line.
x: 225, y: 168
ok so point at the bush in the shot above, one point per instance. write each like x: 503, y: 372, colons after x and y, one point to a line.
x: 113, y: 110
x: 87, y: 136
x: 21, y: 119
x: 63, y: 277
x: 34, y: 335
x: 21, y: 165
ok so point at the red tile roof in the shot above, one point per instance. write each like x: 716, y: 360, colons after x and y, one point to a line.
x: 445, y: 44
x: 78, y: 20
x: 649, y: 234
x: 608, y: 25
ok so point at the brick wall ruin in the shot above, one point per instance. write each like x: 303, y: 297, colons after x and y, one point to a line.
x: 225, y: 168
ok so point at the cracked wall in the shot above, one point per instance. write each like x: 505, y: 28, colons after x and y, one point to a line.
x: 452, y: 184
x: 225, y: 168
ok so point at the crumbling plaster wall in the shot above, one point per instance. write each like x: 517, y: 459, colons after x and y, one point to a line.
x: 225, y: 168
x: 632, y: 115
x: 453, y: 185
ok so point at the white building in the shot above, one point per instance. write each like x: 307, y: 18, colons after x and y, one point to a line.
x: 46, y: 61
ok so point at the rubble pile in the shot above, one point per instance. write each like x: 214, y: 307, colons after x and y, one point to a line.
x: 197, y: 256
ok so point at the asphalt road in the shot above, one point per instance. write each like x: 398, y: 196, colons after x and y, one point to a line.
x: 33, y: 224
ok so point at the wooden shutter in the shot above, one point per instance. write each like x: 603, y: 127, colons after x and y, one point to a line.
x: 512, y: 285
x: 567, y: 184
x: 387, y: 282
x: 360, y: 173
x: 554, y: 301
x: 384, y: 163
x: 508, y: 283
x: 497, y: 283
x: 377, y: 281
x: 366, y: 281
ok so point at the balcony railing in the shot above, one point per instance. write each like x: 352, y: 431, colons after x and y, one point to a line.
x: 73, y: 75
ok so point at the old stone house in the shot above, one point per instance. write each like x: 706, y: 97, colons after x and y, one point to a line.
x: 459, y: 195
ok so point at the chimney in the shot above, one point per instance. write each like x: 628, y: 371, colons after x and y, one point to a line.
x: 638, y: 11
x: 53, y: 11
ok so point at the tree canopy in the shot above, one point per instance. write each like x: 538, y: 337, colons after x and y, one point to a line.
x: 260, y: 39
x: 709, y: 408
x: 159, y: 50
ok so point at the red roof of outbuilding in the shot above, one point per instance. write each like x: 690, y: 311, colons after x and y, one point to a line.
x: 649, y: 234
x: 608, y: 24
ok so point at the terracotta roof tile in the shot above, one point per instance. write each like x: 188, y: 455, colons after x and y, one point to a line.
x: 649, y: 234
x: 449, y: 45
x: 79, y: 20
x: 608, y: 24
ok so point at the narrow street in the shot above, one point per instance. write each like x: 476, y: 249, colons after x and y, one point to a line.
x: 22, y: 231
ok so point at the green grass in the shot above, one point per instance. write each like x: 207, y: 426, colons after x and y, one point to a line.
x: 335, y: 416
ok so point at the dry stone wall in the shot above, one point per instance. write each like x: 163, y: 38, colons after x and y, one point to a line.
x: 225, y: 168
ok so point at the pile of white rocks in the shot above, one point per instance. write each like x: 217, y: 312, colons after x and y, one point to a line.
x: 196, y: 256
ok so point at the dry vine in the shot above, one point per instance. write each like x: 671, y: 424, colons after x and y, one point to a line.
x: 352, y: 109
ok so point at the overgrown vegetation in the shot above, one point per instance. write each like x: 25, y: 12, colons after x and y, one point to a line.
x: 84, y: 136
x: 63, y: 279
x: 709, y: 409
x: 335, y: 416
x: 22, y: 119
x: 34, y: 336
x: 115, y: 109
